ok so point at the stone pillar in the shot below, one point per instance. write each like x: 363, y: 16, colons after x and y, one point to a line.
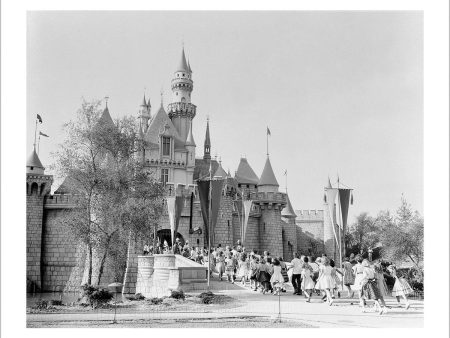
x: 145, y: 274
x: 161, y: 274
x: 130, y: 279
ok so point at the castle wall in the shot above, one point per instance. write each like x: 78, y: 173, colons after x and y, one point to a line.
x: 289, y: 238
x: 35, y: 210
x: 271, y: 234
x: 310, y: 231
x: 224, y: 231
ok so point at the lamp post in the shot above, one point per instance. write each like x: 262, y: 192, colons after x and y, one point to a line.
x: 115, y: 288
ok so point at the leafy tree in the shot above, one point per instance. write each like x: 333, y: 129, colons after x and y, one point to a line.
x: 402, y: 236
x: 99, y: 159
x: 364, y: 234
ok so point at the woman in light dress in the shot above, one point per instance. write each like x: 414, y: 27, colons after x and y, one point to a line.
x: 326, y: 282
x: 349, y: 278
x: 401, y: 286
x: 358, y: 272
x: 243, y: 267
x: 277, y: 279
x: 307, y: 284
x: 369, y: 287
x: 220, y: 266
x: 334, y: 274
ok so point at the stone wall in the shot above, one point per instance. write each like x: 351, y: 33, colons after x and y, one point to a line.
x: 35, y: 210
x: 289, y: 238
x: 271, y: 229
x: 310, y: 234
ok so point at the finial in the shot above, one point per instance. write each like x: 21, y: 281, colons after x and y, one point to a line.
x: 106, y: 100
x: 162, y: 93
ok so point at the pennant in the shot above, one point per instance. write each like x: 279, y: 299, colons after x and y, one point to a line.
x: 171, y: 212
x: 179, y: 206
x: 344, y: 199
x: 216, y: 196
x: 268, y: 131
x: 331, y: 197
x: 247, y: 208
x: 42, y: 134
x: 351, y: 199
x: 39, y: 118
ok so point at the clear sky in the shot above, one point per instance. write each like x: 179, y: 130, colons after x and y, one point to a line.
x: 342, y: 92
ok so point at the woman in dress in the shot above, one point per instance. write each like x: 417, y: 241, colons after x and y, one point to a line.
x: 381, y: 282
x: 401, y: 286
x: 220, y: 266
x: 358, y: 272
x: 263, y: 276
x: 334, y: 274
x: 211, y: 260
x: 242, y: 268
x: 284, y: 272
x: 349, y: 278
x: 307, y: 284
x: 326, y: 282
x: 370, y: 289
x: 230, y: 265
x: 277, y: 279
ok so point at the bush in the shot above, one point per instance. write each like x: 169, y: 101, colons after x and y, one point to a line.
x: 137, y: 296
x: 41, y: 304
x: 96, y: 296
x: 177, y: 294
x: 56, y: 302
x: 206, y: 294
x: 206, y: 297
x: 156, y: 301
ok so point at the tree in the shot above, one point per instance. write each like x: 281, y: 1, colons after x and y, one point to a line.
x: 364, y: 234
x: 99, y: 159
x: 402, y: 236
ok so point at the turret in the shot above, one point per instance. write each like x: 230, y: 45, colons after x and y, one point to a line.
x: 268, y: 181
x: 181, y: 111
x: 145, y: 114
x: 207, y: 145
x: 190, y: 146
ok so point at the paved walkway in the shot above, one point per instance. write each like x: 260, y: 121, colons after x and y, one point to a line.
x: 317, y: 313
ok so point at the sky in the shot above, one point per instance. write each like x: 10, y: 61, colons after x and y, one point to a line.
x: 342, y: 92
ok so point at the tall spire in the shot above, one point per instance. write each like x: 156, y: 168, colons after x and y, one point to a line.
x: 144, y: 102
x: 207, y: 147
x: 182, y: 66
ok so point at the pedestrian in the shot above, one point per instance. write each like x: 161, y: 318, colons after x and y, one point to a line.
x: 358, y: 272
x: 220, y: 267
x: 334, y: 273
x: 401, y: 286
x: 230, y: 265
x: 307, y: 284
x: 253, y: 272
x: 243, y: 267
x: 370, y: 288
x: 297, y: 266
x: 277, y: 278
x: 146, y: 249
x: 349, y: 278
x: 325, y: 282
x: 284, y: 272
x: 381, y: 282
x: 263, y: 276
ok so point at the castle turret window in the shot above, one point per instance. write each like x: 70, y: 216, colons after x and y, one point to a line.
x: 166, y: 146
x: 164, y: 176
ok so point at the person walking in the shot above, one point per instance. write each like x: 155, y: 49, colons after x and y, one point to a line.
x: 401, y: 286
x: 326, y: 282
x: 358, y: 272
x: 277, y: 278
x: 297, y: 266
x: 349, y: 278
x: 220, y: 266
x: 370, y: 289
x: 230, y: 266
x: 307, y: 284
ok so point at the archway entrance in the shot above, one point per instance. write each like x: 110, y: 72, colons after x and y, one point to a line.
x: 165, y: 235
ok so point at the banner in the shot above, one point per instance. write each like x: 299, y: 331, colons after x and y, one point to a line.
x: 216, y: 196
x: 171, y: 212
x: 247, y: 208
x: 179, y: 206
x: 331, y: 196
x: 344, y: 200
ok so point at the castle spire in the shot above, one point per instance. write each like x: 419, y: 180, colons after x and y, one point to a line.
x: 144, y: 102
x: 182, y: 66
x: 268, y: 181
x: 207, y: 147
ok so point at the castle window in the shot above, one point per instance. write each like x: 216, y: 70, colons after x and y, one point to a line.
x: 183, y: 74
x: 177, y: 93
x: 166, y: 146
x: 164, y: 176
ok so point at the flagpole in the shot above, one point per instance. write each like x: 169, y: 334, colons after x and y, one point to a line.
x: 340, y: 221
x: 39, y: 143
x: 209, y: 223
x: 267, y: 143
x: 35, y: 129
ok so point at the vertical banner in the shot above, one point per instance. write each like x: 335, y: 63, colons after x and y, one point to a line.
x: 171, y: 212
x: 216, y: 197
x: 247, y: 208
x: 179, y: 206
x: 331, y: 196
x: 344, y: 199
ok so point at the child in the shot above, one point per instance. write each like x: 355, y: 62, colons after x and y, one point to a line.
x: 349, y: 278
x: 358, y: 272
x: 220, y: 264
x: 379, y: 275
x: 369, y: 287
x: 284, y: 272
x: 307, y: 284
x: 337, y: 281
x: 326, y: 282
x: 277, y: 277
x: 401, y: 287
x: 230, y: 265
x: 243, y: 268
x: 263, y: 276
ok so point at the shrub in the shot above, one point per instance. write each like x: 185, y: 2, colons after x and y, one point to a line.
x: 206, y: 294
x: 96, y: 296
x: 177, y: 294
x: 41, y: 304
x: 206, y: 297
x: 137, y: 296
x: 156, y: 301
x: 56, y: 302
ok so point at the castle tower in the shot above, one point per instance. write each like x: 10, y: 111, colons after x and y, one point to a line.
x: 289, y: 231
x: 207, y: 145
x: 329, y: 214
x: 38, y: 186
x: 246, y: 178
x: 144, y: 115
x: 181, y: 111
x: 270, y: 202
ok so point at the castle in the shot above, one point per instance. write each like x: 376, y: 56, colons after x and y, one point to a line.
x: 55, y: 263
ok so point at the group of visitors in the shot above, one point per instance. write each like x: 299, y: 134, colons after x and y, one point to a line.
x: 309, y: 277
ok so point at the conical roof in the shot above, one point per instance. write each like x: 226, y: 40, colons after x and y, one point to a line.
x: 288, y: 211
x: 189, y: 67
x: 106, y: 118
x: 245, y: 173
x: 190, y: 138
x: 182, y: 66
x: 34, y: 161
x: 267, y: 176
x: 148, y: 103
x: 220, y: 172
x: 144, y: 102
x: 329, y: 186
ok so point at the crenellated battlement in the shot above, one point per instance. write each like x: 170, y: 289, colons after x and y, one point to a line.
x: 60, y: 202
x: 182, y: 109
x: 309, y: 215
x: 266, y: 197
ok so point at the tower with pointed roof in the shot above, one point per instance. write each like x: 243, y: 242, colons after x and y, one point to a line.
x: 144, y: 115
x: 181, y: 111
x: 38, y: 186
x: 268, y: 181
x: 207, y: 144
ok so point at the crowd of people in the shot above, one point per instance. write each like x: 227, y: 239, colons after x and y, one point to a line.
x: 309, y: 276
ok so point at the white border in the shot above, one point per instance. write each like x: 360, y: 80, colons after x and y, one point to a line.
x: 13, y: 155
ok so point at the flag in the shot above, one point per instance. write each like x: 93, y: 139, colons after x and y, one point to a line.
x: 247, y: 207
x: 285, y: 172
x: 268, y: 131
x: 39, y: 118
x: 42, y: 134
